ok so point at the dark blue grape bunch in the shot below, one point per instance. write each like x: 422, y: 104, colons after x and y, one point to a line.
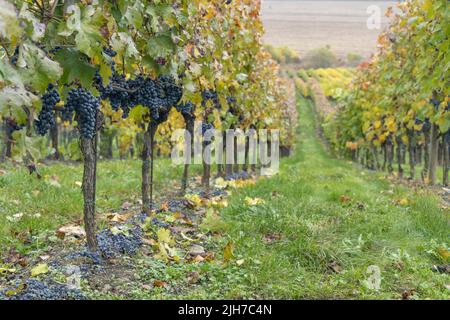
x: 67, y: 113
x: 435, y: 102
x: 15, y: 56
x: 208, y: 95
x: 86, y: 107
x: 109, y: 52
x: 173, y: 92
x: 426, y: 126
x: 187, y: 110
x: 231, y: 100
x: 55, y: 50
x: 11, y: 126
x: 46, y: 119
x: 118, y: 91
x: 151, y: 94
x: 205, y: 128
x: 232, y: 104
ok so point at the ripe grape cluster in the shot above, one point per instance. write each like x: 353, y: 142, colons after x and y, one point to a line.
x: 85, y: 106
x: 119, y: 98
x: 210, y: 95
x: 67, y: 113
x: 435, y: 102
x: 11, y: 126
x: 112, y: 245
x: 426, y: 126
x: 205, y: 128
x: 238, y: 176
x: 186, y: 110
x: 42, y: 290
x: 46, y: 118
x: 109, y: 52
x: 172, y: 91
x: 158, y: 95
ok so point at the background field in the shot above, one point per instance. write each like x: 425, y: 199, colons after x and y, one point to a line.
x: 307, y: 25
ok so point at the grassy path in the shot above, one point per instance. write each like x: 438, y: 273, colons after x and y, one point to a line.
x: 325, y: 221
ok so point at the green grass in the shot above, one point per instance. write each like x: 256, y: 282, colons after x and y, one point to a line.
x: 303, y: 204
x: 45, y: 205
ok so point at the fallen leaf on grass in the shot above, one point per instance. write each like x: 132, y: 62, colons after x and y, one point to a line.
x: 344, y: 199
x: 220, y: 183
x: 198, y: 259
x: 39, y: 269
x: 78, y: 184
x: 194, y: 200
x: 159, y: 283
x: 115, y: 217
x: 218, y: 203
x: 401, y: 202
x: 163, y: 254
x: 240, y: 262
x: 126, y: 205
x: 13, y: 257
x: 444, y: 253
x: 70, y: 231
x: 2, y: 172
x: 164, y: 236
x: 253, y: 201
x: 196, y: 250
x: 165, y: 206
x: 228, y: 252
x: 121, y: 229
x: 7, y: 270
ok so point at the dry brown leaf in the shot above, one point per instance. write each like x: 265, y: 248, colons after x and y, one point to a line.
x: 198, y: 259
x: 126, y: 205
x: 115, y: 217
x: 71, y: 231
x: 159, y: 283
x: 165, y: 206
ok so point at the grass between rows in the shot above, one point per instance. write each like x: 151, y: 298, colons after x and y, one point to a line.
x: 333, y: 216
x: 323, y: 223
